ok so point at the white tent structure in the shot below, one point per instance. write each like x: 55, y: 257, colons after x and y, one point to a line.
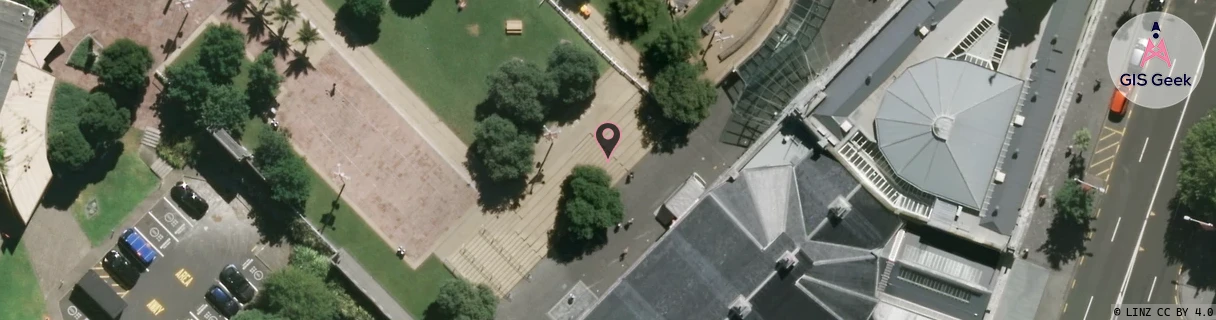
x: 45, y: 36
x: 23, y: 124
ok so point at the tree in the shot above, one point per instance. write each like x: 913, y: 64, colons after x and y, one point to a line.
x: 1080, y: 139
x: 255, y: 314
x: 589, y: 203
x: 273, y: 148
x: 188, y: 85
x: 264, y: 82
x: 310, y: 261
x: 460, y: 299
x: 285, y: 172
x: 102, y: 121
x: 224, y: 109
x: 671, y: 46
x: 573, y: 72
x: 516, y: 88
x: 221, y: 52
x: 294, y: 294
x: 124, y: 66
x: 68, y: 150
x: 286, y: 13
x: 682, y: 95
x: 307, y: 35
x: 636, y: 14
x: 504, y: 152
x: 366, y: 10
x: 1073, y: 203
x: 1197, y: 170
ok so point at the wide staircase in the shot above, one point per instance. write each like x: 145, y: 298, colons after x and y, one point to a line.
x: 151, y: 139
x: 864, y: 156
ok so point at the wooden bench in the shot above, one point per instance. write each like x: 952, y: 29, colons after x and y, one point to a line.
x: 515, y: 27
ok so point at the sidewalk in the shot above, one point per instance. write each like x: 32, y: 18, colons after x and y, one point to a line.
x: 595, y: 29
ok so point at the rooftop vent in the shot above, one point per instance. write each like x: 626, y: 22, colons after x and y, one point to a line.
x: 787, y: 261
x: 839, y: 209
x: 740, y: 308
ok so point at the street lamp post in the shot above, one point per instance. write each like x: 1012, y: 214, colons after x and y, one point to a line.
x: 338, y: 173
x: 1204, y: 225
x: 1100, y: 189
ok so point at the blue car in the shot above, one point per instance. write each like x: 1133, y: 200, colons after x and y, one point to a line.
x: 222, y: 301
x: 138, y: 246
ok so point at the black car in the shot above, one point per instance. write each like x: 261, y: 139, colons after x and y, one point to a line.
x: 190, y: 201
x: 1156, y: 5
x: 222, y: 301
x: 237, y: 284
x: 121, y: 269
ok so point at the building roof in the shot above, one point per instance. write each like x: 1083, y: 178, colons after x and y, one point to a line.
x: 943, y: 124
x: 45, y: 36
x: 102, y: 294
x: 23, y: 125
x: 728, y: 247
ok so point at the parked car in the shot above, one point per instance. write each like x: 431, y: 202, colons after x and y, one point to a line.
x: 1156, y: 5
x: 222, y: 301
x: 121, y: 269
x: 236, y: 283
x: 190, y: 201
x: 138, y: 246
x: 1118, y: 103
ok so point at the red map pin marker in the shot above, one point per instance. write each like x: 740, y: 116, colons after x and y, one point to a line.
x: 607, y: 134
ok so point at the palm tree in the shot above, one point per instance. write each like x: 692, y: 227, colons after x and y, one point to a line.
x: 307, y: 35
x: 286, y: 13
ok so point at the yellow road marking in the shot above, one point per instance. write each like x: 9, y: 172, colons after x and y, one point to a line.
x: 1107, y: 147
x: 1152, y: 214
x: 1103, y: 172
x: 1108, y: 135
x: 1083, y: 257
x: 123, y: 294
x: 1120, y: 132
x: 1141, y: 248
x: 1074, y: 284
x: 1095, y: 164
x: 184, y: 277
x: 155, y: 307
x: 1066, y: 307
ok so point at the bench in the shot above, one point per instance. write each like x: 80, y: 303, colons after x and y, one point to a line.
x: 515, y: 27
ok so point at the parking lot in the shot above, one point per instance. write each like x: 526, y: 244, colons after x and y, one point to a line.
x: 192, y: 253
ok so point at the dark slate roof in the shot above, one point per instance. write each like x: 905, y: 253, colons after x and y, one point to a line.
x: 15, y: 23
x: 100, y: 294
x: 727, y: 247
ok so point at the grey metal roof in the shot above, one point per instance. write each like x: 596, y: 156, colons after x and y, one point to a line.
x: 943, y: 124
x: 15, y: 23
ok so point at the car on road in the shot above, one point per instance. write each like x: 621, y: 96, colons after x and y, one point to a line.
x: 1118, y: 103
x: 137, y: 245
x: 1156, y: 5
x: 190, y: 201
x: 235, y: 282
x: 222, y: 301
x: 121, y: 269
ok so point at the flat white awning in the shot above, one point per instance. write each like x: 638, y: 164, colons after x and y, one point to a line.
x: 45, y: 36
x: 23, y: 128
x: 682, y: 201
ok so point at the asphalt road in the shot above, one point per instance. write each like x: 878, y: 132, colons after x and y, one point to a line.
x: 1132, y: 216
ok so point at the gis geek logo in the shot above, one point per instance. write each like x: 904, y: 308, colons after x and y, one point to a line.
x: 1149, y: 72
x: 1155, y: 50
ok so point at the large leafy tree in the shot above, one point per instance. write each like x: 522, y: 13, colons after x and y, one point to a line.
x: 366, y: 10
x: 460, y: 299
x: 255, y: 314
x: 503, y: 151
x: 297, y: 295
x: 673, y: 45
x: 102, y: 121
x: 67, y: 149
x: 1073, y: 203
x: 188, y: 85
x: 682, y: 95
x: 516, y: 89
x: 221, y: 52
x: 637, y: 15
x: 224, y: 109
x: 589, y: 203
x: 574, y: 72
x: 124, y: 66
x: 308, y: 260
x: 1197, y: 172
x: 264, y: 82
x: 285, y: 171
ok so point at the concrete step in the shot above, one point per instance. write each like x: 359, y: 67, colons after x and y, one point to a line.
x: 150, y: 138
x: 161, y: 168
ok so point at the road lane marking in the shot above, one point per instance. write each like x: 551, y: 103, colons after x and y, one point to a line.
x: 1100, y: 162
x: 1120, y: 132
x: 1112, y: 234
x: 179, y: 211
x: 162, y: 226
x: 1172, y: 64
x: 1150, y: 289
x: 1091, y: 303
x: 1099, y: 214
x: 1107, y: 147
x: 1108, y: 135
x: 155, y: 307
x: 193, y: 316
x: 1101, y: 174
x: 184, y: 277
x: 1143, y: 149
x: 1132, y: 263
x: 1065, y: 308
x: 1074, y: 284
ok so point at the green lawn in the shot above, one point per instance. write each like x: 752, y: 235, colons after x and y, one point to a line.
x: 123, y: 188
x: 20, y: 298
x: 445, y: 62
x: 413, y: 289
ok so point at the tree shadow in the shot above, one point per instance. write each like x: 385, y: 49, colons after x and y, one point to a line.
x: 236, y: 8
x: 66, y: 185
x: 658, y: 133
x: 279, y: 45
x: 12, y: 228
x: 1124, y: 17
x: 256, y: 25
x: 493, y: 196
x: 567, y: 113
x: 1186, y: 243
x: 1065, y: 241
x: 357, y: 32
x: 1022, y: 19
x: 130, y: 99
x: 564, y: 248
x: 1076, y: 167
x: 409, y: 8
x: 619, y: 29
x: 300, y: 65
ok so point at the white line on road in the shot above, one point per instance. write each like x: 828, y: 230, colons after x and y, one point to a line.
x: 162, y: 226
x: 179, y: 211
x: 1150, y: 290
x: 1172, y: 64
x: 1112, y: 234
x: 1142, y: 150
x: 193, y: 316
x: 1136, y: 250
x: 1091, y: 303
